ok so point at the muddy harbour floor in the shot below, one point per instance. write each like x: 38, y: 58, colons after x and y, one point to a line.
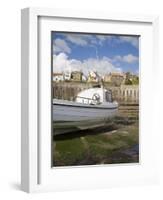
x: 116, y: 142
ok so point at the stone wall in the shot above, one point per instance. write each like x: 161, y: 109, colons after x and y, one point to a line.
x: 69, y: 90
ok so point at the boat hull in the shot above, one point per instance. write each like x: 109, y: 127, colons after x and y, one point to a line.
x: 70, y: 116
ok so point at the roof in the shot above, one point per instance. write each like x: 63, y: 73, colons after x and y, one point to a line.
x: 117, y: 74
x: 57, y: 74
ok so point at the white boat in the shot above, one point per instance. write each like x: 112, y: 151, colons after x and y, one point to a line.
x: 91, y: 108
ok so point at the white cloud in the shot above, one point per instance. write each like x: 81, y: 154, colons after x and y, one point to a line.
x: 101, y: 37
x: 62, y: 63
x: 133, y: 40
x: 86, y: 39
x: 60, y: 45
x: 130, y: 58
x: 127, y: 58
x: 78, y: 39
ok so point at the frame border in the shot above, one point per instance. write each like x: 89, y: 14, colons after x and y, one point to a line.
x: 30, y: 79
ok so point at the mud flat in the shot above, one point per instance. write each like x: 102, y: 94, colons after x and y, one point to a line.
x: 117, y: 142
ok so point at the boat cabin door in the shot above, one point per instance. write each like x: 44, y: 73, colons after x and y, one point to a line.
x: 108, y: 96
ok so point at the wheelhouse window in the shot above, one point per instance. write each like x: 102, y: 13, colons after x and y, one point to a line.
x: 108, y: 96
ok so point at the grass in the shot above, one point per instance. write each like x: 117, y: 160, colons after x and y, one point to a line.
x: 68, y: 152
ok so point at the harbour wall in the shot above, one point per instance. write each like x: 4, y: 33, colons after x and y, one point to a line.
x: 69, y: 90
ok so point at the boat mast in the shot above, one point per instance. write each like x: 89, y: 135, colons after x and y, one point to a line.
x: 100, y: 79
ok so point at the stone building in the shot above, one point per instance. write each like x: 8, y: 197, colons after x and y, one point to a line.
x: 117, y: 78
x: 76, y: 76
x: 107, y: 78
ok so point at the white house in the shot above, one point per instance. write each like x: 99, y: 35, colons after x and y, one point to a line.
x: 57, y: 77
x: 93, y: 77
x: 67, y: 75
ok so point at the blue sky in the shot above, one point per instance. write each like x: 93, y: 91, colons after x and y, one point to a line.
x: 101, y: 53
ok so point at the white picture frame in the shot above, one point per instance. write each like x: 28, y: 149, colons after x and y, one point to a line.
x: 36, y: 171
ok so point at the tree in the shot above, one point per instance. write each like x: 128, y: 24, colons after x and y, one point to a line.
x: 128, y: 81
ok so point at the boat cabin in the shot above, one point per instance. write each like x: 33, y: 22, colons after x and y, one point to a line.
x: 94, y: 96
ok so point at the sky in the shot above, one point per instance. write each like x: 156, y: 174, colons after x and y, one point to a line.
x: 95, y: 52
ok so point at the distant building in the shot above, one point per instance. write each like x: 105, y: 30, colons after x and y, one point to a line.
x: 57, y: 77
x: 107, y: 78
x: 93, y: 77
x: 115, y: 78
x: 76, y: 76
x: 67, y: 76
